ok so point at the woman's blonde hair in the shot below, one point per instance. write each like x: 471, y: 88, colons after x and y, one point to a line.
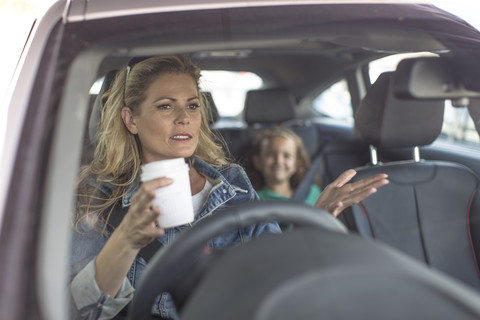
x: 303, y: 160
x: 118, y: 157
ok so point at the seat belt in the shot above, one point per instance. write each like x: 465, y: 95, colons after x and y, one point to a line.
x: 116, y: 217
x: 304, y: 186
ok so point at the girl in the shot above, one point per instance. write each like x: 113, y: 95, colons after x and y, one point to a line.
x: 280, y: 163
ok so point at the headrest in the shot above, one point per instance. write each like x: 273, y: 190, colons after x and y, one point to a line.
x: 95, y: 116
x: 213, y: 116
x: 269, y: 106
x: 382, y: 120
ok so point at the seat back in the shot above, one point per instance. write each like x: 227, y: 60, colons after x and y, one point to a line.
x: 94, y: 116
x: 430, y: 209
x: 96, y: 112
x: 213, y: 115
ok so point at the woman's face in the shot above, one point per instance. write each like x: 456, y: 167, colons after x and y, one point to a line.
x: 168, y: 124
x: 277, y: 160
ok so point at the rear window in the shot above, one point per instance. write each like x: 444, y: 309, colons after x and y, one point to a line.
x: 335, y: 102
x: 229, y: 89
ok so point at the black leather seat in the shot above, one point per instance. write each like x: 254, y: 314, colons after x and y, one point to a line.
x: 430, y: 210
x: 268, y: 106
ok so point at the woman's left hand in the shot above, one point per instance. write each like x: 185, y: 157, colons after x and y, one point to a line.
x: 340, y: 194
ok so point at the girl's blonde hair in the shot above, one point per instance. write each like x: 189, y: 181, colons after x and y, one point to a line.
x: 118, y: 156
x: 303, y: 160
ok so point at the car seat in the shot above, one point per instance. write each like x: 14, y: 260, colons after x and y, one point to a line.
x: 213, y: 116
x: 430, y: 209
x: 96, y: 113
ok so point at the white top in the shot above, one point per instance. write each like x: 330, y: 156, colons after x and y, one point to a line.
x: 199, y: 199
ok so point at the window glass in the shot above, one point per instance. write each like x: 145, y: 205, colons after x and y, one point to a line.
x: 229, y: 89
x: 97, y: 85
x: 335, y: 102
x: 457, y: 124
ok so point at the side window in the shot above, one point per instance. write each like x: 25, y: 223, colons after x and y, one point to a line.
x: 335, y: 102
x: 457, y: 125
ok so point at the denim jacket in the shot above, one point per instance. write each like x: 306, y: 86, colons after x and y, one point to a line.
x: 230, y: 186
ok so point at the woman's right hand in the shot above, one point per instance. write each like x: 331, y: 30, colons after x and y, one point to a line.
x: 340, y: 194
x: 139, y: 226
x: 137, y: 229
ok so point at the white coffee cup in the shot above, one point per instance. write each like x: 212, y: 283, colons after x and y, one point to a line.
x: 175, y: 200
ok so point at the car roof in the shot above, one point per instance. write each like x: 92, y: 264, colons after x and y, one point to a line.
x: 307, y: 41
x: 98, y: 9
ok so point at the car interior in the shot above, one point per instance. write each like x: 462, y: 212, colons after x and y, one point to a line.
x: 410, y: 251
x: 407, y: 215
x: 420, y: 213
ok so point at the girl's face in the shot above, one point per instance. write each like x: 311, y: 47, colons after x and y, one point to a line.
x: 168, y: 124
x: 277, y: 160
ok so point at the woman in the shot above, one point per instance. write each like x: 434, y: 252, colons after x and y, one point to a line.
x: 154, y: 111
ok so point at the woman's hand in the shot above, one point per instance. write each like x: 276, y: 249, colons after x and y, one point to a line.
x: 340, y: 194
x: 137, y: 229
x: 139, y: 226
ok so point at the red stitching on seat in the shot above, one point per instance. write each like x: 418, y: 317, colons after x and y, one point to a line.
x: 470, y: 231
x: 364, y: 213
x: 366, y: 217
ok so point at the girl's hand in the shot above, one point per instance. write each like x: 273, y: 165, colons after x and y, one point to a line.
x: 138, y: 227
x: 340, y: 194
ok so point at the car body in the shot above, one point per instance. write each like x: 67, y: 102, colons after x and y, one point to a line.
x: 303, y: 46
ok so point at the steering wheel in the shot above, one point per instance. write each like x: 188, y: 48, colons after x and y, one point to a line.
x: 181, y: 256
